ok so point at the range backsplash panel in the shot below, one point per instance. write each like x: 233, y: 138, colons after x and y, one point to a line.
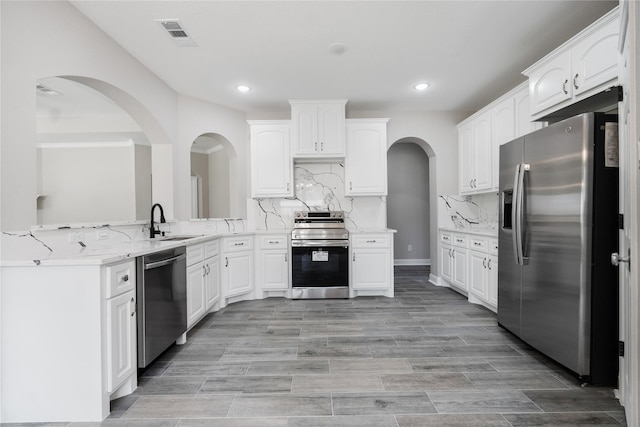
x: 318, y: 187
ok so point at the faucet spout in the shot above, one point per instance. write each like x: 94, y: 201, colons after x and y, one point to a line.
x: 152, y: 229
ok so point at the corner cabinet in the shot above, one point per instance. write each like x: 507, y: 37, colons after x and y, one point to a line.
x: 318, y: 128
x: 372, y: 264
x: 366, y: 157
x: 581, y: 67
x: 271, y: 165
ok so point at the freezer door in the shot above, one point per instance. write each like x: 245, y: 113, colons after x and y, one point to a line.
x: 557, y: 241
x: 509, y: 272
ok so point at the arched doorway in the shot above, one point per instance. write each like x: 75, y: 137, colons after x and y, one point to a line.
x: 411, y: 201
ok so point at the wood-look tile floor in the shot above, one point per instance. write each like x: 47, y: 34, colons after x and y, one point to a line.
x: 424, y: 358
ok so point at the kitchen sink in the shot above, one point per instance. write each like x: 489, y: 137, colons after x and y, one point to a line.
x: 177, y: 238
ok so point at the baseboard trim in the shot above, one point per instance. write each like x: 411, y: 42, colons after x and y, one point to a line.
x: 425, y: 261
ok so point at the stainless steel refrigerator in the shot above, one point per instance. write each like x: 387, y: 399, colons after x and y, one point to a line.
x: 557, y: 289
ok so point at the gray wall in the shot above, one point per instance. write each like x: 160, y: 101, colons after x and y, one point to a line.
x: 408, y: 202
x: 200, y: 168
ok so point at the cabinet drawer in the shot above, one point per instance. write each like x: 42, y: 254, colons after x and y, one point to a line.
x: 446, y: 238
x: 460, y: 240
x: 120, y: 278
x: 370, y: 241
x: 195, y: 254
x: 493, y: 246
x: 479, y: 244
x: 211, y: 248
x: 273, y: 242
x: 240, y: 243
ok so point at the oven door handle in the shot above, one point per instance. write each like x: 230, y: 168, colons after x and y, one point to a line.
x: 320, y: 243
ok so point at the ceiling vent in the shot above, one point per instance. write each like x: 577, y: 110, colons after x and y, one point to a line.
x: 177, y: 33
x: 46, y: 90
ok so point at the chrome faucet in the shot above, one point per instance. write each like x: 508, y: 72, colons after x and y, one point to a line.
x: 152, y: 229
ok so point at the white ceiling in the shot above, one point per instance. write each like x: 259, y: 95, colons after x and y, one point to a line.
x: 469, y: 51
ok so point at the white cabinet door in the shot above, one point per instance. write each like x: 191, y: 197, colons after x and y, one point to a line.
x: 196, y: 298
x: 271, y: 163
x: 212, y: 281
x: 482, y: 152
x: 366, y: 158
x: 478, y: 274
x: 459, y: 270
x: 446, y: 263
x: 121, y: 339
x: 371, y: 269
x: 551, y: 84
x: 275, y: 270
x: 502, y: 131
x: 492, y: 281
x: 318, y: 128
x: 595, y: 59
x: 331, y: 121
x: 237, y: 273
x: 465, y: 158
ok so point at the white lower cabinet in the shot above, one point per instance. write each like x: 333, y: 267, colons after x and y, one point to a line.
x: 121, y: 323
x: 372, y: 264
x: 203, y: 279
x: 237, y: 266
x: 469, y: 264
x: 273, y: 264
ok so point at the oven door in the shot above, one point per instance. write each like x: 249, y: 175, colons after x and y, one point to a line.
x: 320, y: 264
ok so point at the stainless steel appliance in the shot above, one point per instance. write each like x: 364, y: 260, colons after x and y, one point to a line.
x: 320, y: 255
x: 162, y: 302
x: 557, y: 289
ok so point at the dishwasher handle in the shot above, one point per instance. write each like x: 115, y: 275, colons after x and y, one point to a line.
x: 164, y: 262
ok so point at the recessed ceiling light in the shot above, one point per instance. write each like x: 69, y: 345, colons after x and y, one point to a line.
x: 421, y: 86
x: 337, y: 48
x: 243, y: 88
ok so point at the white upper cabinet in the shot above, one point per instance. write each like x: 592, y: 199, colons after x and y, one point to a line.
x: 503, y: 130
x: 318, y: 128
x: 581, y: 67
x: 271, y: 165
x: 366, y: 159
x: 474, y: 153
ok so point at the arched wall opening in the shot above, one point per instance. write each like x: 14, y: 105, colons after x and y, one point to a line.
x: 211, y: 158
x: 412, y: 202
x: 101, y: 156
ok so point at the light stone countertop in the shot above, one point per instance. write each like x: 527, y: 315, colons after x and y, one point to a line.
x: 477, y: 231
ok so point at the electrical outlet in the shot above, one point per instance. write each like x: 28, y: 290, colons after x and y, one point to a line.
x: 75, y: 236
x: 410, y: 248
x: 102, y: 234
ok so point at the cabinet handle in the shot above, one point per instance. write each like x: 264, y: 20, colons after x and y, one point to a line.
x: 286, y: 258
x: 226, y: 262
x: 489, y: 264
x: 453, y: 253
x: 354, y: 256
x: 371, y: 241
x: 125, y: 278
x: 484, y: 262
x: 204, y: 271
x: 135, y: 308
x: 287, y: 186
x: 350, y: 185
x: 322, y: 146
x: 564, y: 87
x: 315, y: 146
x: 575, y: 81
x: 238, y: 244
x: 208, y: 269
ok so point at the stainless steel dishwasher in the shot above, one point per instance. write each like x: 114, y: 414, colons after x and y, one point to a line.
x: 162, y: 302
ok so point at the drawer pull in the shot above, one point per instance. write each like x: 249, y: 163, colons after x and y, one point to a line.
x: 371, y: 241
x: 125, y: 278
x: 238, y: 244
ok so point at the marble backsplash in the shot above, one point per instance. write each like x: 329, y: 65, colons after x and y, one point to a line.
x: 317, y: 187
x: 476, y: 212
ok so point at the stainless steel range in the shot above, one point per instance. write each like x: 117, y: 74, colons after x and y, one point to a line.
x: 320, y: 255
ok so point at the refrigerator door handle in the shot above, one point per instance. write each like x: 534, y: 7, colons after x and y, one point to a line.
x: 514, y: 216
x: 518, y: 213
